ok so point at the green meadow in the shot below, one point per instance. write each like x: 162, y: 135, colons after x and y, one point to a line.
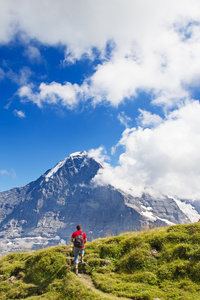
x: 161, y: 263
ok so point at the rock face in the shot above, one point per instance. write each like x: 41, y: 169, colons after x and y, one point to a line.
x: 46, y: 211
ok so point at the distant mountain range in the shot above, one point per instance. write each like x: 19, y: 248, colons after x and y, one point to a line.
x: 45, y: 212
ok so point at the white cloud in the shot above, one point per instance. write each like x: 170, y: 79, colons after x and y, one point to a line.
x: 164, y: 159
x: 99, y: 155
x: 124, y: 120
x: 165, y: 73
x: 21, y: 78
x: 3, y: 172
x: 146, y: 118
x: 156, y: 44
x: 67, y: 95
x: 19, y: 113
x: 33, y: 54
x: 10, y: 173
x: 2, y: 74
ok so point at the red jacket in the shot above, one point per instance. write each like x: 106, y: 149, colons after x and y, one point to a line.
x: 74, y: 234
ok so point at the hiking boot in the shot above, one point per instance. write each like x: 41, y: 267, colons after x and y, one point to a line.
x: 76, y: 271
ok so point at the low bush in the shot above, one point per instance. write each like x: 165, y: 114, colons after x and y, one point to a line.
x: 109, y: 251
x: 42, y: 267
x: 182, y: 250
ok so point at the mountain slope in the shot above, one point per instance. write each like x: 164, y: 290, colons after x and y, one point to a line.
x: 47, y: 210
x: 162, y: 263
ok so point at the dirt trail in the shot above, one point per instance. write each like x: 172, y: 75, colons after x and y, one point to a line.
x: 88, y: 281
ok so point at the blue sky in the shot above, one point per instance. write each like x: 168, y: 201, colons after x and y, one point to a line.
x: 123, y: 84
x: 35, y: 139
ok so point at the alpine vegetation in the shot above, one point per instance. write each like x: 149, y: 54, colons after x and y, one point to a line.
x: 161, y: 263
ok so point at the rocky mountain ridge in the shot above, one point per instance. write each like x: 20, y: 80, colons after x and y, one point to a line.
x: 46, y: 211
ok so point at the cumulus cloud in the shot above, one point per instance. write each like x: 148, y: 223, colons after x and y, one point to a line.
x: 68, y: 95
x: 146, y: 118
x: 156, y: 44
x: 99, y: 155
x: 154, y: 47
x: 164, y: 159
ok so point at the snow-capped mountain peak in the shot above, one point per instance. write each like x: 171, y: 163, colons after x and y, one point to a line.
x: 55, y: 169
x: 78, y: 154
x: 60, y: 164
x: 64, y: 196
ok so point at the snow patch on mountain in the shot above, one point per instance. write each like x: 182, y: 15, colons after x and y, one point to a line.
x: 188, y: 210
x: 62, y: 162
x: 166, y: 221
x: 55, y: 169
x: 149, y: 215
x: 78, y: 154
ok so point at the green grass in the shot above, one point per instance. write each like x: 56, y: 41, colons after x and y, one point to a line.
x: 160, y: 263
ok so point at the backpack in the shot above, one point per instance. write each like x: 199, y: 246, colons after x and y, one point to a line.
x: 78, y: 241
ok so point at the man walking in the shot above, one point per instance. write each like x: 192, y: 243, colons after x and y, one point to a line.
x: 79, y: 239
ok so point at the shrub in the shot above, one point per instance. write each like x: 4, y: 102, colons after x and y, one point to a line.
x: 109, y: 251
x: 138, y: 258
x: 195, y: 238
x: 44, y: 266
x: 194, y: 254
x: 145, y: 277
x: 175, y: 270
x: 195, y: 272
x: 182, y: 250
x: 133, y: 240
x: 13, y: 264
x: 156, y: 242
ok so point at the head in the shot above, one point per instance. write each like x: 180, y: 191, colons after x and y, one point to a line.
x: 79, y: 227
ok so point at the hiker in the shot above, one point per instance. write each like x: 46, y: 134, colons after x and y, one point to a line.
x: 79, y: 239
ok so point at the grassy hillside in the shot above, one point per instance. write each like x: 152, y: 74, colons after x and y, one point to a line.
x: 162, y: 263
